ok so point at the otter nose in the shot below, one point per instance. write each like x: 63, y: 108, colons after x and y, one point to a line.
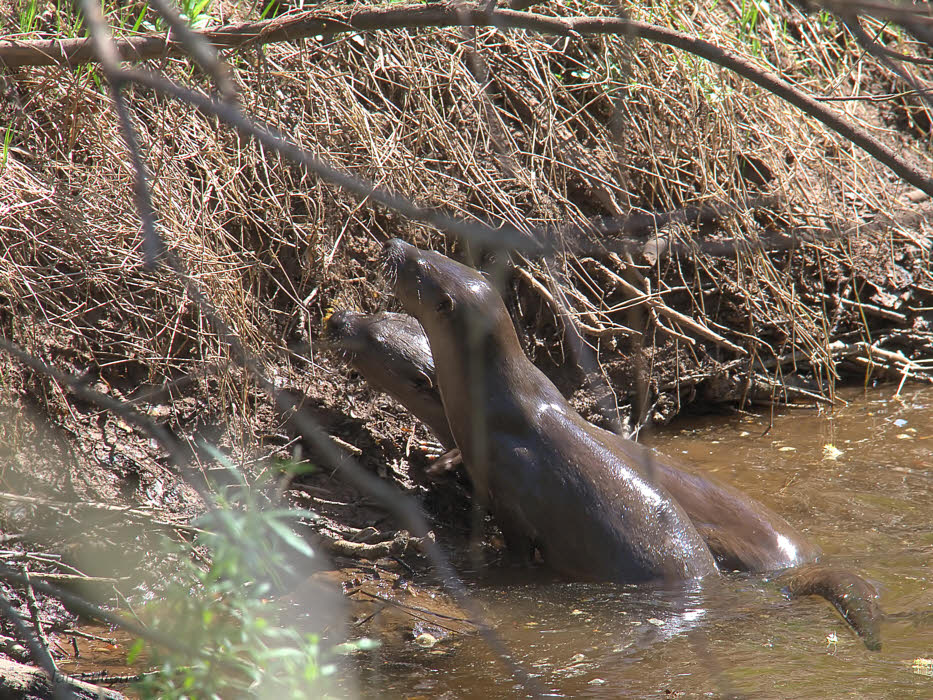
x: 337, y: 323
x: 394, y: 248
x: 395, y: 254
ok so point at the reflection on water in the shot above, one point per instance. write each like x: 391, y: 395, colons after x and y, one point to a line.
x: 857, y: 481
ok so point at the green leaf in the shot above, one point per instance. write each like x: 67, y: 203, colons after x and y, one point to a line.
x: 141, y: 17
x: 135, y: 651
x: 288, y: 536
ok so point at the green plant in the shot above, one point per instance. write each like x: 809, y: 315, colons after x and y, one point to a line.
x: 223, y: 610
x: 194, y: 12
x: 749, y: 18
x: 91, y: 72
x: 140, y: 17
x: 69, y: 18
x: 827, y: 20
x: 7, y: 139
x: 272, y: 9
x: 28, y: 17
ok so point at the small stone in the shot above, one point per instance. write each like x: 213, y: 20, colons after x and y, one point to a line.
x: 425, y: 640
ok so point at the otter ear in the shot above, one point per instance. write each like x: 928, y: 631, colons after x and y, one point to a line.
x: 445, y: 304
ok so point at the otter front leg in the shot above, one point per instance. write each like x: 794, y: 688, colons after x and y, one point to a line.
x: 445, y: 464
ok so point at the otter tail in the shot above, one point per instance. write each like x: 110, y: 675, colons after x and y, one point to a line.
x: 854, y: 598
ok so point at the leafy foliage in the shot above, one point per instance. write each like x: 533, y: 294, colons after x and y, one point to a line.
x: 223, y: 610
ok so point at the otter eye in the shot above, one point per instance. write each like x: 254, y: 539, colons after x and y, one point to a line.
x: 445, y: 305
x: 422, y: 382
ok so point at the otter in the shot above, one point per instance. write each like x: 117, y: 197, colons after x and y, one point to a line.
x: 536, y: 455
x: 553, y: 481
x: 392, y: 353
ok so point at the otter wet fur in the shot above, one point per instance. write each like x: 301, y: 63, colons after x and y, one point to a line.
x: 742, y: 534
x: 552, y: 480
x: 392, y: 354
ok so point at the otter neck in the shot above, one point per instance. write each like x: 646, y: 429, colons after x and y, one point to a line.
x: 488, y: 385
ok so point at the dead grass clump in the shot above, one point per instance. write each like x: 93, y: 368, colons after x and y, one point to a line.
x: 538, y: 131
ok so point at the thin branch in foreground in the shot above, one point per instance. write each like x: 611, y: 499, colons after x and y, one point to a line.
x: 80, y: 606
x: 871, y: 45
x: 33, y: 606
x: 914, y: 17
x: 40, y: 654
x: 179, y: 456
x: 203, y: 52
x: 109, y: 58
x: 395, y: 502
x: 877, y: 46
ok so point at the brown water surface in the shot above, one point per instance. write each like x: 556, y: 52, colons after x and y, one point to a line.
x: 858, y: 481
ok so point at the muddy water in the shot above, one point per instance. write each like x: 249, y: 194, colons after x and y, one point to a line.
x: 858, y: 481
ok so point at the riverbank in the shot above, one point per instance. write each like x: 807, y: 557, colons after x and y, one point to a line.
x: 690, y: 243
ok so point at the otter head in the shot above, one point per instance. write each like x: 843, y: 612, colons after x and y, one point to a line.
x: 392, y: 354
x: 452, y: 301
x: 389, y: 350
x: 342, y: 331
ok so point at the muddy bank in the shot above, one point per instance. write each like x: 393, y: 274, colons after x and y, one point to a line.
x: 712, y: 251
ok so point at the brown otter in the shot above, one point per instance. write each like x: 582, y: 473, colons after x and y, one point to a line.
x: 553, y: 480
x: 392, y: 353
x: 742, y: 533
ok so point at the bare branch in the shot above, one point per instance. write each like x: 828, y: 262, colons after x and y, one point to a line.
x: 478, y: 232
x: 330, y: 21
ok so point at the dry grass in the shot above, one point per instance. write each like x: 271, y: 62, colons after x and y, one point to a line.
x: 537, y: 131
